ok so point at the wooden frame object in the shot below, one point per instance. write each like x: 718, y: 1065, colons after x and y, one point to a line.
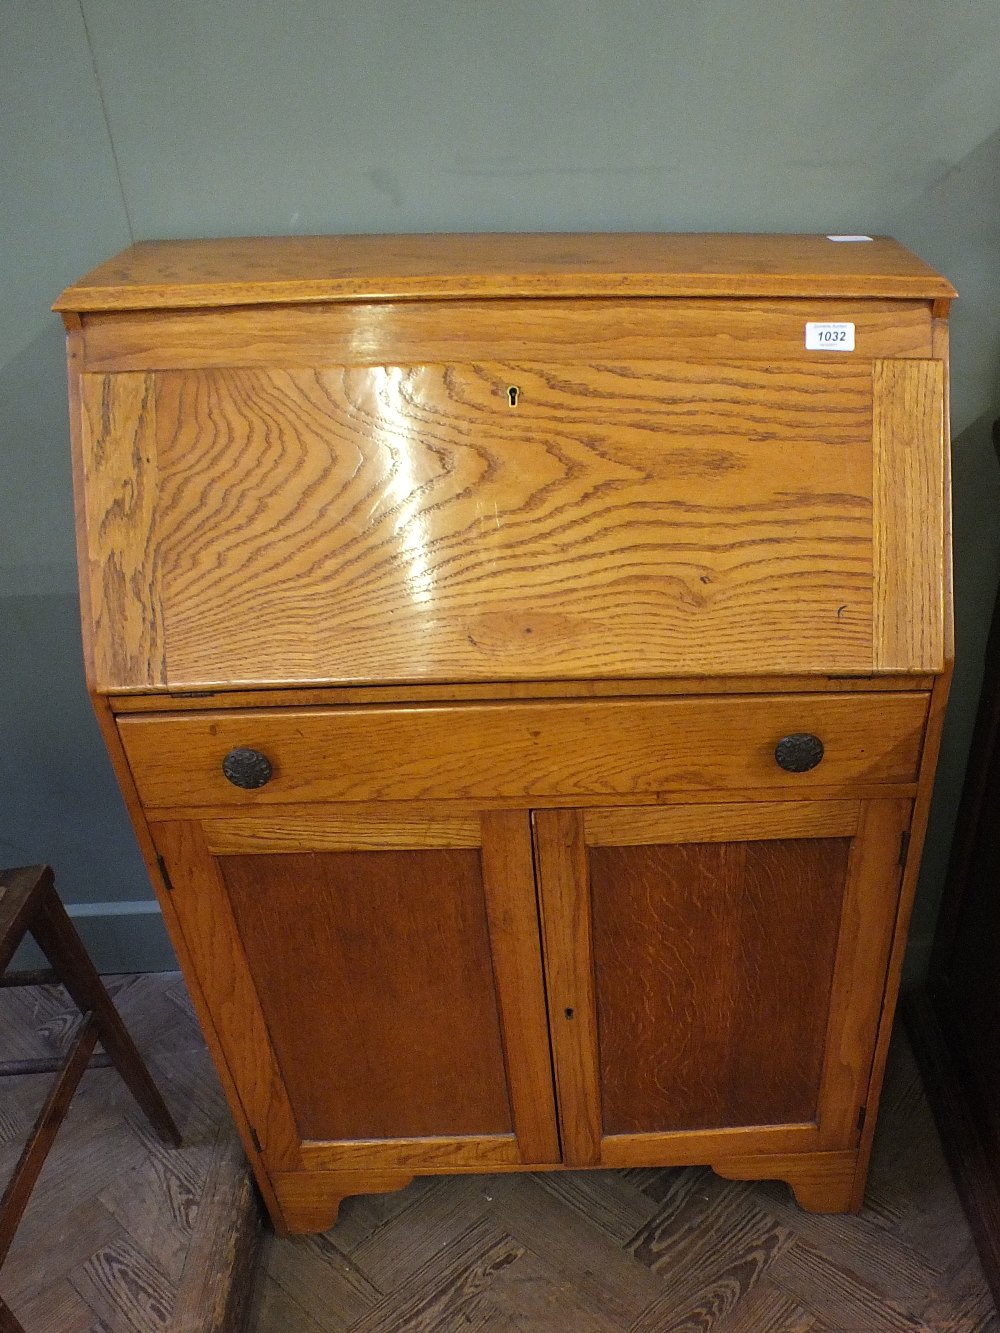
x: 29, y: 904
x: 524, y: 661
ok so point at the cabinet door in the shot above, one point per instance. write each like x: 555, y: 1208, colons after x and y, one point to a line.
x: 715, y: 974
x: 375, y: 982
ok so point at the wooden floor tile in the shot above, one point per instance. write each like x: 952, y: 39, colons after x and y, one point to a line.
x: 447, y: 1291
x: 575, y: 1251
x: 328, y: 1285
x: 125, y: 1287
x: 277, y: 1312
x: 110, y: 1240
x: 821, y: 1285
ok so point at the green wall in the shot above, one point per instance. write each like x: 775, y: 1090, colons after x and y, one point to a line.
x: 147, y: 118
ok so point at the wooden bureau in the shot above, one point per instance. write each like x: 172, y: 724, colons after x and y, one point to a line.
x: 524, y: 659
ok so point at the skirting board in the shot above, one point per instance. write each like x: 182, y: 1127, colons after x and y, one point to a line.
x: 120, y: 937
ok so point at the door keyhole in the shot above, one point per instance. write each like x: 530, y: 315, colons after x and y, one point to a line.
x: 512, y: 395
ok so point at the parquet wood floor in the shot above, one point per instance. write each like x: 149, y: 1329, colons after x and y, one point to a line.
x: 119, y: 1226
x: 107, y: 1237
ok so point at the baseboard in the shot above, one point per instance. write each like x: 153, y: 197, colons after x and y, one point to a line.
x: 120, y: 937
x: 970, y: 1145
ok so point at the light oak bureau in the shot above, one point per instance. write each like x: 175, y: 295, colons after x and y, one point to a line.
x: 524, y: 659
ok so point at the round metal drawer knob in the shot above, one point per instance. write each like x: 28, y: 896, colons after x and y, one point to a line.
x: 247, y: 768
x: 799, y: 752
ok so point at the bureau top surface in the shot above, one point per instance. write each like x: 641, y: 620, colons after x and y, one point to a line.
x: 187, y: 274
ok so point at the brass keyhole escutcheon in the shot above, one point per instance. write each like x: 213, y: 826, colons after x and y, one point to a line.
x: 513, y: 393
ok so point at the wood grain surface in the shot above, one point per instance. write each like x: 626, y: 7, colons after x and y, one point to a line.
x: 395, y: 1033
x: 217, y: 961
x: 193, y: 701
x: 121, y: 498
x: 386, y: 829
x: 409, y: 524
x: 310, y: 1200
x: 701, y: 1025
x: 512, y: 909
x: 429, y: 332
x: 426, y: 501
x: 911, y: 858
x: 423, y: 1152
x: 561, y: 860
x: 871, y: 902
x: 619, y: 826
x: 255, y: 270
x: 525, y: 750
x: 911, y: 504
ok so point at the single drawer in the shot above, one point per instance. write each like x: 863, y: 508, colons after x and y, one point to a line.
x: 574, y: 748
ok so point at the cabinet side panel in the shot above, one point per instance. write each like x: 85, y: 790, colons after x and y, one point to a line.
x: 120, y: 486
x: 713, y: 965
x: 908, y: 442
x: 373, y: 970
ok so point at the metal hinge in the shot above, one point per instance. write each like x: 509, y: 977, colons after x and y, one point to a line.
x: 165, y: 874
x: 862, y: 1116
x: 904, y: 846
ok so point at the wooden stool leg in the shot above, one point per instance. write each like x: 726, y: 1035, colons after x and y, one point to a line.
x: 8, y: 1324
x: 22, y: 1182
x: 57, y: 937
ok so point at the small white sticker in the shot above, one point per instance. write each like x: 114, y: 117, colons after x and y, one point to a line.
x: 850, y: 238
x: 829, y: 337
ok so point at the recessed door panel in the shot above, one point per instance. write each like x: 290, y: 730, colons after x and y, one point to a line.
x: 377, y: 988
x: 713, y: 964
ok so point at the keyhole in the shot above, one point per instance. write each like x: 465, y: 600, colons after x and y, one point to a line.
x: 512, y: 395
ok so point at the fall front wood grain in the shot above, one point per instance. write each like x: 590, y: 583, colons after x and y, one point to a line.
x: 409, y: 523
x: 516, y: 557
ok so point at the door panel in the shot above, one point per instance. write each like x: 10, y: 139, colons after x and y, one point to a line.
x: 713, y: 964
x: 398, y: 1010
x: 715, y: 994
x: 358, y: 1000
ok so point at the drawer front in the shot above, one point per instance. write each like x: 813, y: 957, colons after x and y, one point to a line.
x: 526, y: 751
